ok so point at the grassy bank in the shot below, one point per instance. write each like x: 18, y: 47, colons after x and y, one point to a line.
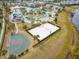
x: 68, y: 36
x: 67, y: 44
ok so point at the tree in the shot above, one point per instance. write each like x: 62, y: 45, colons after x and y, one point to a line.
x: 24, y: 27
x: 9, y: 26
x: 36, y: 37
x: 0, y: 24
x: 12, y: 57
x: 3, y: 52
x: 58, y: 0
x: 55, y: 20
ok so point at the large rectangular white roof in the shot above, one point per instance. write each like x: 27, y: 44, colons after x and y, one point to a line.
x: 43, y: 30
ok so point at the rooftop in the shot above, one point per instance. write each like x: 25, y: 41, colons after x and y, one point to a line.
x: 43, y: 31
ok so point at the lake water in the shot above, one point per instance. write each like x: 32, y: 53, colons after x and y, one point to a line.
x: 75, y: 18
x: 18, y: 43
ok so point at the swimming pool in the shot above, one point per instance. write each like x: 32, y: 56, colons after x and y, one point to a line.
x: 18, y: 43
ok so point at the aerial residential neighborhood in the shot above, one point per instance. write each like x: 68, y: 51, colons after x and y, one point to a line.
x: 39, y: 29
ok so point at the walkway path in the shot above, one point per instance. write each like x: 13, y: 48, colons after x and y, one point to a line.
x: 3, y: 30
x: 16, y: 26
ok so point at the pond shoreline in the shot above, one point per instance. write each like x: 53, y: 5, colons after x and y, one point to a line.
x: 74, y: 19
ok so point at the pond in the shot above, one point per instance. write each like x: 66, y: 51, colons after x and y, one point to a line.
x: 75, y: 18
x: 18, y: 43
